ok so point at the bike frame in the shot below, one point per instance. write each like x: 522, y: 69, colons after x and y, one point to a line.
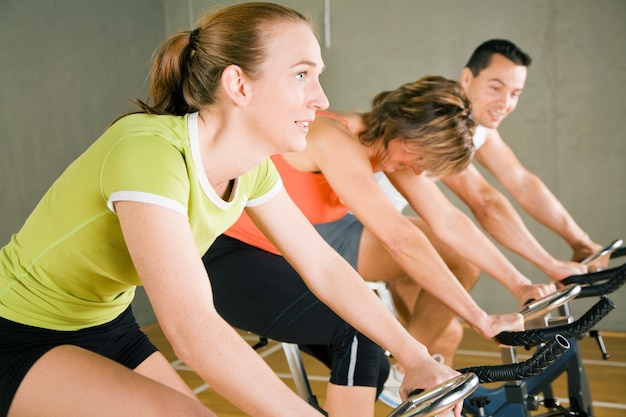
x: 519, y: 398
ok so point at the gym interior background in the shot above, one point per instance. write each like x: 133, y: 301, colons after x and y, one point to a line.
x: 67, y: 68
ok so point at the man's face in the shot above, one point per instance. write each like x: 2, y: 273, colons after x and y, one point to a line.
x: 495, y: 91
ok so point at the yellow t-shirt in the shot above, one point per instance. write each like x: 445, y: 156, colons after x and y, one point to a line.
x: 68, y: 267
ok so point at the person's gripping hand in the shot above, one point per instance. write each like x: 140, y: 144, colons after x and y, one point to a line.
x: 563, y: 269
x: 583, y: 251
x: 427, y: 374
x: 528, y: 293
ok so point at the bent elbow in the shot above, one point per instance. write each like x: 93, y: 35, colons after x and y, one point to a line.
x: 488, y: 204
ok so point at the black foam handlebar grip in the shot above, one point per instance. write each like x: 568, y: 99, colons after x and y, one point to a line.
x: 591, y: 285
x: 578, y: 328
x: 543, y: 358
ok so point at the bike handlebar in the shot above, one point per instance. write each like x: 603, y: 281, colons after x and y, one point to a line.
x: 619, y: 252
x: 598, y: 283
x: 437, y: 399
x: 577, y: 286
x: 578, y: 328
x: 603, y: 252
x: 428, y: 403
x: 543, y: 358
x: 538, y: 308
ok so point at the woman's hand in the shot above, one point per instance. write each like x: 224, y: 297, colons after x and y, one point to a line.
x: 527, y: 293
x: 497, y: 323
x: 426, y: 374
x: 582, y: 251
x: 560, y: 270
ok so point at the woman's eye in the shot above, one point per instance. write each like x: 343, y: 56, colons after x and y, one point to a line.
x: 300, y: 76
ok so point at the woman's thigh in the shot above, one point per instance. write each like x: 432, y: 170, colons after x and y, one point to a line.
x: 376, y: 263
x: 260, y: 292
x: 69, y: 380
x: 21, y: 346
x: 157, y: 367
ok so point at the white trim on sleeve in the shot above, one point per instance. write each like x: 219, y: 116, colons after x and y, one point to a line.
x: 267, y: 196
x: 142, y: 197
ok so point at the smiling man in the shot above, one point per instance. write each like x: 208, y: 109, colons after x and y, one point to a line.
x: 494, y: 78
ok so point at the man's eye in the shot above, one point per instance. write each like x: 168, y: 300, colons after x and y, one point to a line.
x: 300, y: 76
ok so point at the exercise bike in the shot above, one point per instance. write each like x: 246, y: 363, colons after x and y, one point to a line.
x: 515, y: 399
x: 528, y: 387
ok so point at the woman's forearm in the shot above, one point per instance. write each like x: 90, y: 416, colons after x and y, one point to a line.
x: 462, y: 235
x: 224, y: 360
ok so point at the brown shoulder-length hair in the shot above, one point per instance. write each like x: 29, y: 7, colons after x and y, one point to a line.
x: 432, y: 116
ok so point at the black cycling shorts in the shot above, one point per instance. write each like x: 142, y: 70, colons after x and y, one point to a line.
x: 260, y: 292
x: 21, y: 346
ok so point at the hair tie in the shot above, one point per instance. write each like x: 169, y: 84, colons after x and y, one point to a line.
x: 193, y: 38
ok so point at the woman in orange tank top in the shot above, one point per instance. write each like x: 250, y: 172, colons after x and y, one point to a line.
x: 419, y: 131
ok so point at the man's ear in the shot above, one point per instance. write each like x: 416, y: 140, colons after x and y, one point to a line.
x: 466, y: 77
x: 234, y: 83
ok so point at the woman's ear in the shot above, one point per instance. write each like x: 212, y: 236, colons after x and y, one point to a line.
x: 234, y: 83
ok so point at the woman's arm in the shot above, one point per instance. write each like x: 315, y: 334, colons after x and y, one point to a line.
x: 346, y: 166
x: 165, y: 256
x: 497, y: 216
x: 458, y: 231
x: 339, y: 286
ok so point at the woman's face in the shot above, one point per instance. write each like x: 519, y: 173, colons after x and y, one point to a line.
x: 288, y: 92
x: 398, y: 156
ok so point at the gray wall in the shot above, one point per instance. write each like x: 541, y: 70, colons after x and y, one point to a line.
x: 67, y: 67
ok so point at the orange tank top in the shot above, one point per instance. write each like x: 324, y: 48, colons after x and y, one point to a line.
x: 309, y: 190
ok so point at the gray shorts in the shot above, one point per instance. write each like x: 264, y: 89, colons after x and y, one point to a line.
x: 344, y: 235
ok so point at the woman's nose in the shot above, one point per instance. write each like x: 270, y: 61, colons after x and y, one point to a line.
x: 319, y: 101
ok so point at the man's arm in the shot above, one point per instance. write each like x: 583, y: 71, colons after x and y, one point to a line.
x: 459, y: 232
x: 498, y: 216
